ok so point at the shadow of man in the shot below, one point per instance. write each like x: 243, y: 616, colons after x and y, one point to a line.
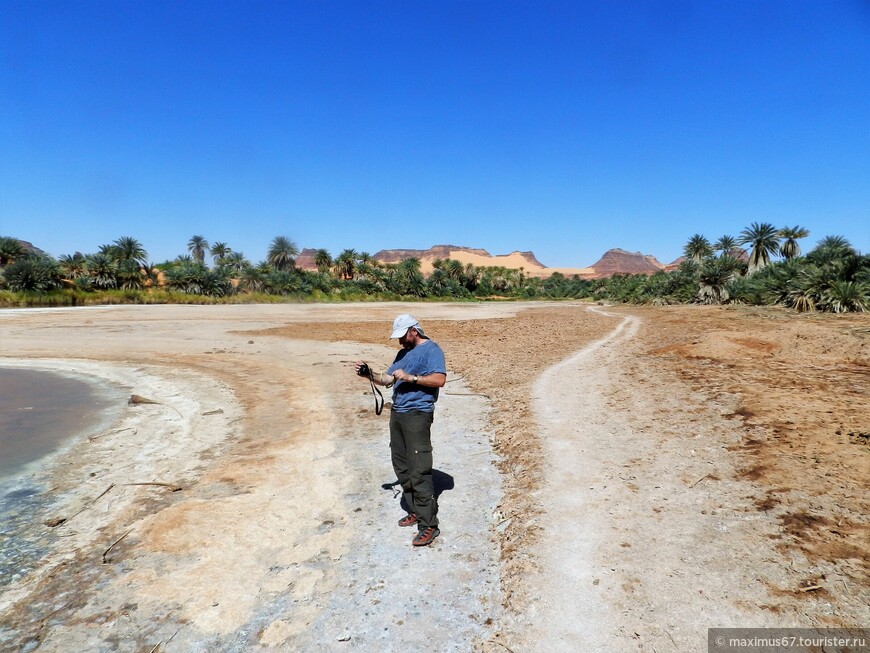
x: 441, y: 481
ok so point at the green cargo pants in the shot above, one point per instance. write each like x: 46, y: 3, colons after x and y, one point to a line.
x: 411, y: 446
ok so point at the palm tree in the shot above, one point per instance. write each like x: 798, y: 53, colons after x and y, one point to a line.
x: 72, y: 267
x: 830, y: 249
x: 698, y: 248
x: 282, y: 253
x: 437, y: 282
x: 805, y: 290
x: 345, y: 264
x: 409, y: 277
x: 129, y: 275
x: 470, y: 277
x: 454, y: 270
x: 103, y: 270
x: 235, y: 261
x: 845, y: 296
x: 726, y: 244
x: 32, y: 274
x: 11, y: 250
x: 364, y: 272
x: 197, y: 246
x: 219, y: 252
x: 251, y: 279
x: 764, y: 240
x: 323, y: 260
x: 129, y: 249
x: 714, y: 278
x: 789, y: 248
x: 108, y: 250
x: 188, y: 277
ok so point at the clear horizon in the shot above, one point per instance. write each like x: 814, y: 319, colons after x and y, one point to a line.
x: 561, y: 128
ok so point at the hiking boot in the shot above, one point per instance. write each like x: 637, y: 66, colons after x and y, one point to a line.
x: 408, y: 520
x: 426, y: 536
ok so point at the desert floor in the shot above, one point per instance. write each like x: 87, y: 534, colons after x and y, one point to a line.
x: 612, y: 479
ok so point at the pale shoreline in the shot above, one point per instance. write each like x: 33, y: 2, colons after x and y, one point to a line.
x: 116, y: 383
x: 86, y: 463
x: 280, y: 460
x: 107, y: 416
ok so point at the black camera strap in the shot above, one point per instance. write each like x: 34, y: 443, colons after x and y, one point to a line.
x: 379, y: 398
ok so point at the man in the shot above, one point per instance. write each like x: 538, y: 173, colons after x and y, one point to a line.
x: 416, y: 375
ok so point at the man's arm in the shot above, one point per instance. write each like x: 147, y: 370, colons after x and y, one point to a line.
x: 434, y: 380
x: 379, y: 378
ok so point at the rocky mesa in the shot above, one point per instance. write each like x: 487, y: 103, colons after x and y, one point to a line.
x: 618, y: 261
x: 614, y: 261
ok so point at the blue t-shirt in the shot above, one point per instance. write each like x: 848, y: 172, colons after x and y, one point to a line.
x: 425, y: 358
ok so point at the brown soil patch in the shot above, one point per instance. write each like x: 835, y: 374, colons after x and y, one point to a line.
x: 803, y: 383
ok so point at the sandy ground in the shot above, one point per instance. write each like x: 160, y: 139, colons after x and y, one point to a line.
x: 662, y: 532
x: 611, y: 480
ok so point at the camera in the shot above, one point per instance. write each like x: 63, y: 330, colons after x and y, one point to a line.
x: 364, y: 370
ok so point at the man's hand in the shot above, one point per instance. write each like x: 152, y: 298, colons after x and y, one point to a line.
x: 377, y: 378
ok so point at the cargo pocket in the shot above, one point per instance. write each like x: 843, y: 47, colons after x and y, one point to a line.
x: 423, y: 460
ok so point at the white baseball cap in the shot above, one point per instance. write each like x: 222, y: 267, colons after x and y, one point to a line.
x: 404, y: 322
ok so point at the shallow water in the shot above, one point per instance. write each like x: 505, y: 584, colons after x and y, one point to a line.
x: 39, y: 412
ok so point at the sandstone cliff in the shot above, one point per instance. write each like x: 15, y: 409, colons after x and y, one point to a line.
x: 305, y: 260
x: 618, y: 261
x: 614, y: 261
x: 478, y: 257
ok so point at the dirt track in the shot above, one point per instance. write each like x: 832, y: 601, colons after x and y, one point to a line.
x: 669, y: 481
x: 652, y: 530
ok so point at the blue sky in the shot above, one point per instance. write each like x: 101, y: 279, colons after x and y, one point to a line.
x: 564, y: 128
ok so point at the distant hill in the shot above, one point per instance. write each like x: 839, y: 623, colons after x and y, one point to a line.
x: 305, y: 260
x: 618, y: 261
x: 614, y: 261
x: 465, y: 255
x: 30, y: 247
x: 670, y: 267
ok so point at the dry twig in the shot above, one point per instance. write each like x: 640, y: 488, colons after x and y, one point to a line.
x: 169, y: 486
x: 57, y: 521
x: 112, y: 546
x: 502, y: 645
x: 99, y: 435
x: 468, y: 394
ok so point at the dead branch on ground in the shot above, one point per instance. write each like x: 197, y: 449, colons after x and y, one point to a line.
x: 169, y: 486
x: 112, y: 546
x: 57, y: 521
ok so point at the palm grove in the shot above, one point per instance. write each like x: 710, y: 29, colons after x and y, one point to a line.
x: 763, y: 265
